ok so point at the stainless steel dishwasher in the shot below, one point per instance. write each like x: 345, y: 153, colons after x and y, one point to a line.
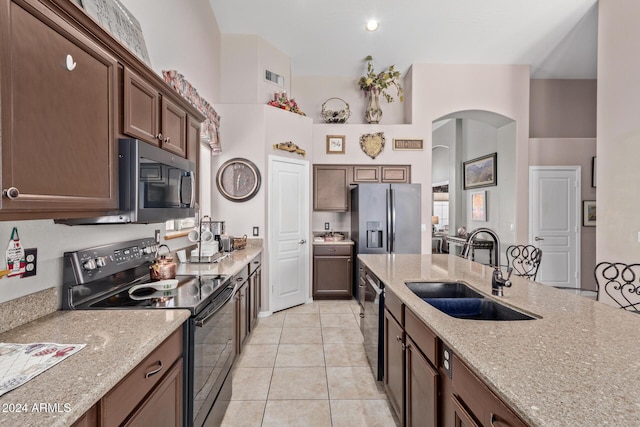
x: 371, y: 320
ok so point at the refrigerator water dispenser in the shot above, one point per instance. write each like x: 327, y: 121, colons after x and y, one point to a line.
x: 374, y: 234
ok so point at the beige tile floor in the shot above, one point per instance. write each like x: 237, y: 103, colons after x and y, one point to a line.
x: 306, y: 367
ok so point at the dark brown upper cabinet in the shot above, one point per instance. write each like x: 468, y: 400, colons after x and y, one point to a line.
x: 58, y: 116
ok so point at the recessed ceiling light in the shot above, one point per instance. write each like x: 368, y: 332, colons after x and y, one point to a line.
x: 372, y: 25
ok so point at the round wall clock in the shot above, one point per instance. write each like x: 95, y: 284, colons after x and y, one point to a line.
x: 238, y: 180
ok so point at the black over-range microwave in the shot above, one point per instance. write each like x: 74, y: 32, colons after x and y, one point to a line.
x: 154, y: 186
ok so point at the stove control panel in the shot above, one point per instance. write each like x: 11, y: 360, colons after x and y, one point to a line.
x: 94, y: 263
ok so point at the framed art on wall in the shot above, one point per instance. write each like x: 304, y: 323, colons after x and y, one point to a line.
x: 408, y: 144
x: 335, y: 144
x: 479, y: 206
x: 480, y: 172
x: 589, y: 213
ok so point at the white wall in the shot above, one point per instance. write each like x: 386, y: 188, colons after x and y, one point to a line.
x: 244, y: 61
x: 312, y: 91
x: 440, y: 89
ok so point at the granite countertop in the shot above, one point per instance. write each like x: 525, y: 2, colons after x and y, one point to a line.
x: 338, y: 242
x: 574, y: 365
x: 116, y: 343
x: 230, y: 265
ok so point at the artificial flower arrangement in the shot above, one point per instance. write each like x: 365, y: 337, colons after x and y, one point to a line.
x: 372, y: 82
x: 280, y: 100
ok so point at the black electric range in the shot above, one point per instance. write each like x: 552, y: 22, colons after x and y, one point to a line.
x: 100, y: 278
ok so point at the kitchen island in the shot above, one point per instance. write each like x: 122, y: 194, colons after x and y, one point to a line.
x: 575, y: 364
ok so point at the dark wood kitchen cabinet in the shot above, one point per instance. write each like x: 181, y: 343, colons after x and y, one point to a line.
x: 331, y: 183
x: 394, y: 362
x: 241, y: 307
x: 255, y: 291
x: 332, y: 271
x: 62, y: 111
x: 475, y: 404
x: 152, y: 117
x: 151, y: 394
x: 427, y: 384
x: 363, y: 174
x: 58, y: 98
x: 331, y: 187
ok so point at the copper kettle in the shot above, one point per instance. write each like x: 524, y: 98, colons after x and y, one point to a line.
x: 163, y: 267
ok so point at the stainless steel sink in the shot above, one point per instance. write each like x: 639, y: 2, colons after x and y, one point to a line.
x: 456, y: 299
x: 442, y: 290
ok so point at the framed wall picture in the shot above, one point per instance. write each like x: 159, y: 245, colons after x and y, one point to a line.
x: 480, y: 172
x: 335, y: 144
x: 408, y: 144
x: 479, y: 206
x: 589, y: 213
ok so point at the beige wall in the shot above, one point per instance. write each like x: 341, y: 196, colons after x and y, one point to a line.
x: 563, y: 109
x: 618, y: 146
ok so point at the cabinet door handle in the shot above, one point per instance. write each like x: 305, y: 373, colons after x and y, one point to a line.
x: 537, y: 239
x: 159, y: 136
x: 398, y: 339
x: 70, y: 63
x: 155, y: 371
x: 11, y: 193
x: 167, y: 140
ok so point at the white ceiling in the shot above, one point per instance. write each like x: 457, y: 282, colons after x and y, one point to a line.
x: 558, y: 38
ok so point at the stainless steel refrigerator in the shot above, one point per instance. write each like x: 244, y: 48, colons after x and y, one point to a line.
x: 385, y: 218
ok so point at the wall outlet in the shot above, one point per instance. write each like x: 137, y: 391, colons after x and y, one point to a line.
x: 256, y: 231
x: 326, y: 226
x: 31, y: 256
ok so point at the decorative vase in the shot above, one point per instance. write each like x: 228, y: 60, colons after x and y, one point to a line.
x: 373, y: 113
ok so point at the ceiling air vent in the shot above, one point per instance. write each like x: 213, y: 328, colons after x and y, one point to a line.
x: 274, y: 78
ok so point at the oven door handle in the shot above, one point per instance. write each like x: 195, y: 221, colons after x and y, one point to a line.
x: 200, y: 321
x: 373, y: 284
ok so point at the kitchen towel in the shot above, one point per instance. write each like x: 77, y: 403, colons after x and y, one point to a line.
x: 20, y: 363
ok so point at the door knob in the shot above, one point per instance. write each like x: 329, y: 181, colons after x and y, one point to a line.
x: 302, y: 241
x: 538, y: 238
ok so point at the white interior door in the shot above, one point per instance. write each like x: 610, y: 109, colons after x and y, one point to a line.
x: 554, y: 223
x: 289, y: 232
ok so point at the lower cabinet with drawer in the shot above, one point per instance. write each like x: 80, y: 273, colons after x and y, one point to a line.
x: 427, y: 384
x: 150, y: 395
x: 332, y: 271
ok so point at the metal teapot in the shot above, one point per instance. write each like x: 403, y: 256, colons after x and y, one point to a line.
x: 163, y: 267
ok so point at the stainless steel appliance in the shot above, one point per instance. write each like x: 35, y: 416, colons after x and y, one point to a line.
x: 385, y: 219
x: 154, y: 186
x: 103, y: 277
x: 372, y: 320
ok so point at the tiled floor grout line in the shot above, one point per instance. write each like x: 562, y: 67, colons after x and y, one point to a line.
x: 338, y: 342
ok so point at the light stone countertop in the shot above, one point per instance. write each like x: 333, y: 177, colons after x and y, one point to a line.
x: 117, y: 341
x: 230, y: 265
x: 339, y: 242
x: 577, y: 365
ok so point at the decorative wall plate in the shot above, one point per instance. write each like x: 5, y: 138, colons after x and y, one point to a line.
x: 372, y: 144
x: 238, y: 180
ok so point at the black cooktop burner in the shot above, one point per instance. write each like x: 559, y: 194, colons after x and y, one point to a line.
x: 190, y: 294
